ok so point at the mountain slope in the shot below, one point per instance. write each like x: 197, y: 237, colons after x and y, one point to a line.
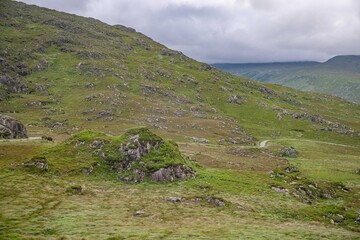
x: 66, y: 72
x: 61, y: 74
x: 339, y: 76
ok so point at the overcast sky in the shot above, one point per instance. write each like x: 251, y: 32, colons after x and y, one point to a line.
x: 234, y: 30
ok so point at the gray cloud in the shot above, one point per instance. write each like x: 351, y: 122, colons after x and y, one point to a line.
x: 234, y: 30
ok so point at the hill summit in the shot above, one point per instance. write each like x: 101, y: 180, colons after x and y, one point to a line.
x: 345, y: 63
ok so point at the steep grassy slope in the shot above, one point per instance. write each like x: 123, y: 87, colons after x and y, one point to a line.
x: 68, y: 73
x: 339, y: 76
x: 62, y: 74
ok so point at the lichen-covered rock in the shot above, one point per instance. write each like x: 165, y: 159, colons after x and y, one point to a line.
x: 11, y: 128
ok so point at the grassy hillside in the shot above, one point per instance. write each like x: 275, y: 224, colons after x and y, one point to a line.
x: 66, y: 76
x: 339, y: 76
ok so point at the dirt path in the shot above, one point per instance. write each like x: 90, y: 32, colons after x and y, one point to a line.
x: 21, y: 139
x: 263, y: 143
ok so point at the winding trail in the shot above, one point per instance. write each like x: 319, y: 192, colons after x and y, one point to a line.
x: 21, y: 139
x: 263, y: 143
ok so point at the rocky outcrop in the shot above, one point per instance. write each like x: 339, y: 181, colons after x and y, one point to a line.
x: 11, y: 128
x: 169, y: 174
x: 135, y: 156
x: 288, y: 152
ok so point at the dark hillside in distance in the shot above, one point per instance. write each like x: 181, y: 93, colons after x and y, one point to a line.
x: 339, y: 75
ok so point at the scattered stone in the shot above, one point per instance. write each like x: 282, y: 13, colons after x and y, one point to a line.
x: 138, y: 213
x: 199, y: 140
x: 267, y: 91
x: 296, y: 116
x: 37, y: 164
x: 302, y: 190
x: 216, y: 201
x: 280, y: 190
x: 234, y: 99
x: 90, y: 85
x: 291, y: 169
x: 174, y: 199
x: 88, y: 171
x: 106, y: 113
x: 97, y: 144
x: 240, y: 207
x: 288, y: 152
x: 40, y: 88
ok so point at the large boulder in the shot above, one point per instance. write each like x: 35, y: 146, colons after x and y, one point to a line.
x: 11, y: 128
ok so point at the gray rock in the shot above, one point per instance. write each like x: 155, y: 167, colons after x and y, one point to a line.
x: 235, y: 99
x: 139, y: 175
x: 173, y: 199
x: 97, y: 144
x: 199, y: 140
x: 169, y: 174
x: 38, y: 164
x: 288, y: 152
x: 267, y: 91
x: 215, y: 201
x: 138, y: 213
x: 11, y: 128
x: 281, y: 190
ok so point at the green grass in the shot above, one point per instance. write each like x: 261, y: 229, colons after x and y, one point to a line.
x: 92, y: 68
x: 46, y: 209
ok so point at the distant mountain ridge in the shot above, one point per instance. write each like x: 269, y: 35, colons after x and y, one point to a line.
x: 344, y: 63
x: 339, y: 75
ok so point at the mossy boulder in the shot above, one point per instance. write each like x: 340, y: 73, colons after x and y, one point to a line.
x: 136, y: 155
